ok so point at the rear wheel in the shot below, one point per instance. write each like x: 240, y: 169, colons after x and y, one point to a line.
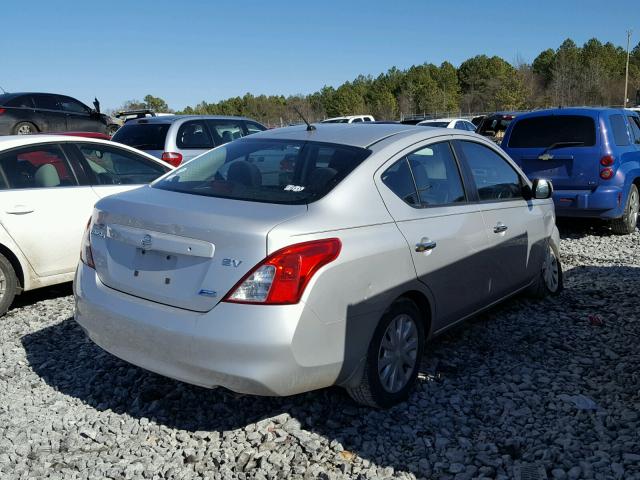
x: 24, y: 128
x: 8, y: 284
x: 629, y: 220
x: 393, y: 357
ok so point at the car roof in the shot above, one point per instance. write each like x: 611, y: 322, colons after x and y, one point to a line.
x: 12, y: 141
x: 175, y: 118
x: 570, y: 111
x: 361, y: 135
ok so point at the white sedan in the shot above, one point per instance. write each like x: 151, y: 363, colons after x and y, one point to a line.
x: 48, y: 187
x: 457, y: 123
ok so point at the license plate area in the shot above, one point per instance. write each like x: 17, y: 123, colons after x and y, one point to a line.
x: 152, y: 261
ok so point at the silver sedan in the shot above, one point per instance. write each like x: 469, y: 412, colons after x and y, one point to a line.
x: 304, y: 257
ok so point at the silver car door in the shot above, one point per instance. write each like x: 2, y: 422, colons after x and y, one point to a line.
x: 514, y: 225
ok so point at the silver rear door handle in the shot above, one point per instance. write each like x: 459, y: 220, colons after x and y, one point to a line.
x: 425, y: 244
x: 500, y: 227
x: 19, y: 210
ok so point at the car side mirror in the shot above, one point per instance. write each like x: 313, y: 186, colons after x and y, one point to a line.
x: 542, y: 188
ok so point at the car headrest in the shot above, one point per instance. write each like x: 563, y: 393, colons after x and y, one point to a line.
x: 47, y: 176
x: 244, y: 173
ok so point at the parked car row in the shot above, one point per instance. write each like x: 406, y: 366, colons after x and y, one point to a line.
x: 250, y: 265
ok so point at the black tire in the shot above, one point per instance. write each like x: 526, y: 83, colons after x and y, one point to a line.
x: 24, y: 128
x: 8, y: 284
x: 629, y: 220
x: 543, y: 286
x: 370, y: 390
x: 112, y: 129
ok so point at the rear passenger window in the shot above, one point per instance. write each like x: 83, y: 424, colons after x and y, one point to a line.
x: 46, y: 102
x: 495, y: 179
x: 115, y: 166
x: 225, y: 131
x: 253, y: 127
x: 400, y: 181
x: 428, y: 177
x: 436, y: 174
x: 25, y: 101
x: 634, y: 122
x: 36, y: 167
x: 619, y: 128
x: 193, y: 134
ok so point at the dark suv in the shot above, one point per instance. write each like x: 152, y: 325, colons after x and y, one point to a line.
x: 25, y: 113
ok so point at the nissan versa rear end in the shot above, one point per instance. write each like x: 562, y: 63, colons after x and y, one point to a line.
x: 300, y: 258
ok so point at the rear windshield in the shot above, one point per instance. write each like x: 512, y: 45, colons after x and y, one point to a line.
x: 542, y: 132
x: 272, y: 171
x: 145, y: 136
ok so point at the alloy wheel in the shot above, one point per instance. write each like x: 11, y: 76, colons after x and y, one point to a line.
x: 551, y: 271
x: 634, y: 206
x: 3, y: 285
x: 397, y: 356
x: 25, y: 130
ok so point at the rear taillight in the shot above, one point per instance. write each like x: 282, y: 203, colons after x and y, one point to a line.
x: 606, y: 173
x: 607, y: 160
x: 173, y: 158
x: 280, y: 279
x: 86, y: 254
x: 2, y: 110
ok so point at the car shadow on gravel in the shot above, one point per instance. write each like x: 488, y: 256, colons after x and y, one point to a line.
x: 40, y: 294
x: 582, y: 227
x: 487, y: 395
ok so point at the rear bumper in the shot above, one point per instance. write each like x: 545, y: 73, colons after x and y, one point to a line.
x: 603, y: 202
x: 247, y: 348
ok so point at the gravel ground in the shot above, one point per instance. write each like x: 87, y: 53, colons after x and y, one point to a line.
x: 528, y: 390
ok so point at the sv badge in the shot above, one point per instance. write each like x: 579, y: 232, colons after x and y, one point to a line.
x: 231, y: 262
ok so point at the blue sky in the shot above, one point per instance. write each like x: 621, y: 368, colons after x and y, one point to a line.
x: 192, y: 50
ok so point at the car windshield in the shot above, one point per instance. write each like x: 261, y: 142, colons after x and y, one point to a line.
x: 435, y: 124
x: 272, y: 171
x: 145, y: 136
x: 544, y: 131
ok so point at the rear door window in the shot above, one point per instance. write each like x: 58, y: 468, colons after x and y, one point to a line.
x: 495, y: 178
x: 36, y: 167
x: 47, y: 102
x: 23, y: 101
x: 117, y: 166
x: 544, y: 131
x: 145, y: 136
x: 225, y: 131
x: 194, y: 135
x: 253, y: 127
x: 619, y: 129
x: 634, y: 123
x: 436, y: 175
x: 273, y: 171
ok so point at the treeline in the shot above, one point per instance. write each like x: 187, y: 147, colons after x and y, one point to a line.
x: 592, y: 74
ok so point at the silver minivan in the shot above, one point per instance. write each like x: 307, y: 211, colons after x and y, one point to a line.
x: 179, y: 138
x: 299, y: 258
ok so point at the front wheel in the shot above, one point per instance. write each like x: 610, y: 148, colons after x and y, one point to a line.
x: 8, y: 284
x: 629, y: 220
x: 550, y: 280
x: 393, y: 358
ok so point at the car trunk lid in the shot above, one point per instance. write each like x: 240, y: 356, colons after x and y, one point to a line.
x: 178, y: 249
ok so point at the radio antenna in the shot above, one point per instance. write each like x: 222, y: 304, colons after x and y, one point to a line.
x: 310, y: 127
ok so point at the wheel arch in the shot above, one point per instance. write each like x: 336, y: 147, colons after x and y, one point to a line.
x: 15, y: 263
x: 424, y: 306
